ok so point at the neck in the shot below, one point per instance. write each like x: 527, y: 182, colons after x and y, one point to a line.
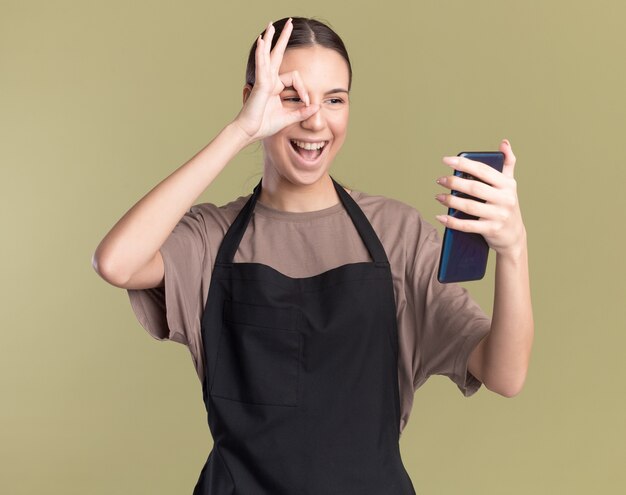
x: 283, y: 195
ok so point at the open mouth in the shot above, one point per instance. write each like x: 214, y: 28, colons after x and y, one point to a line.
x: 308, y: 151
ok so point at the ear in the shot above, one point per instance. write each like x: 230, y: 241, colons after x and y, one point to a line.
x: 247, y: 89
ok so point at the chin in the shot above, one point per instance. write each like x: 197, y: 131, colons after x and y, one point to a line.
x: 302, y: 177
x: 298, y: 172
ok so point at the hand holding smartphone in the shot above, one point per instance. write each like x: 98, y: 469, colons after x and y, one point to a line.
x: 464, y: 254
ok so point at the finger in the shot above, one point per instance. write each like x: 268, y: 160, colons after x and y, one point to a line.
x: 267, y: 45
x: 472, y: 187
x: 469, y: 206
x: 267, y: 38
x: 475, y: 168
x: 293, y: 79
x: 302, y: 114
x: 259, y: 59
x: 276, y: 56
x: 509, y: 158
x: 474, y: 226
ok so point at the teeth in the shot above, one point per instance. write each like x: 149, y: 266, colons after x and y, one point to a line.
x: 309, y: 146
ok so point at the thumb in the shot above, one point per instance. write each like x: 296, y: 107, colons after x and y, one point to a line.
x: 509, y: 158
x: 303, y: 113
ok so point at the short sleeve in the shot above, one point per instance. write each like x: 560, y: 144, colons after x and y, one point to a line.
x: 451, y: 324
x: 173, y: 312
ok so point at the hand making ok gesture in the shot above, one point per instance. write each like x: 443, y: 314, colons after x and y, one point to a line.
x: 263, y: 114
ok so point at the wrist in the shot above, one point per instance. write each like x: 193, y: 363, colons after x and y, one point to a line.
x: 516, y: 253
x: 242, y: 138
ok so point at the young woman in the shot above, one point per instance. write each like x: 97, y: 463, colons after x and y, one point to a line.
x: 313, y: 312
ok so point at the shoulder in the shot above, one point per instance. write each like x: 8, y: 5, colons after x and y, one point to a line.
x: 412, y: 243
x: 218, y: 217
x: 390, y: 216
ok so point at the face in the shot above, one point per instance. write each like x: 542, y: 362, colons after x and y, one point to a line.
x: 325, y: 76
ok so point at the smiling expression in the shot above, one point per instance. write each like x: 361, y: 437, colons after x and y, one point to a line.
x: 302, y: 153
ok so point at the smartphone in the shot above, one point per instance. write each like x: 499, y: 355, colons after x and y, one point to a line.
x: 464, y: 254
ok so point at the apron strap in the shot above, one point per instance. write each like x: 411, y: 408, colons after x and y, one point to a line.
x: 235, y: 232
x: 363, y: 226
x: 226, y: 252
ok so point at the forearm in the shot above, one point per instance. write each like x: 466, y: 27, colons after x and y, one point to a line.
x: 508, y: 345
x: 137, y: 236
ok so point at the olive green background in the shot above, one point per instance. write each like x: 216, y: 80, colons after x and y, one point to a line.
x: 99, y: 101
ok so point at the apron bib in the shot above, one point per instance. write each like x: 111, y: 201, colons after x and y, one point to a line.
x: 301, y: 382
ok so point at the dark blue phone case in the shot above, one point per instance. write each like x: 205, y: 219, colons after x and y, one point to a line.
x: 464, y: 254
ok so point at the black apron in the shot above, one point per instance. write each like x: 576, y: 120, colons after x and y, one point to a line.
x: 301, y: 380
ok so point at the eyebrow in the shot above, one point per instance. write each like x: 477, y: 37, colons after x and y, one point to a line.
x: 336, y: 90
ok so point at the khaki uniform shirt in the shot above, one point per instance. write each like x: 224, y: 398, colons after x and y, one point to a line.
x: 439, y: 325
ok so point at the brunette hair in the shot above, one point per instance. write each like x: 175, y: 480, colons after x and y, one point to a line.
x: 306, y: 32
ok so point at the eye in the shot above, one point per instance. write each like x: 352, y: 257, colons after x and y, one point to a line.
x: 335, y: 101
x: 292, y: 99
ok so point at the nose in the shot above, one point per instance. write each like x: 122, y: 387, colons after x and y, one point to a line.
x: 315, y: 122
